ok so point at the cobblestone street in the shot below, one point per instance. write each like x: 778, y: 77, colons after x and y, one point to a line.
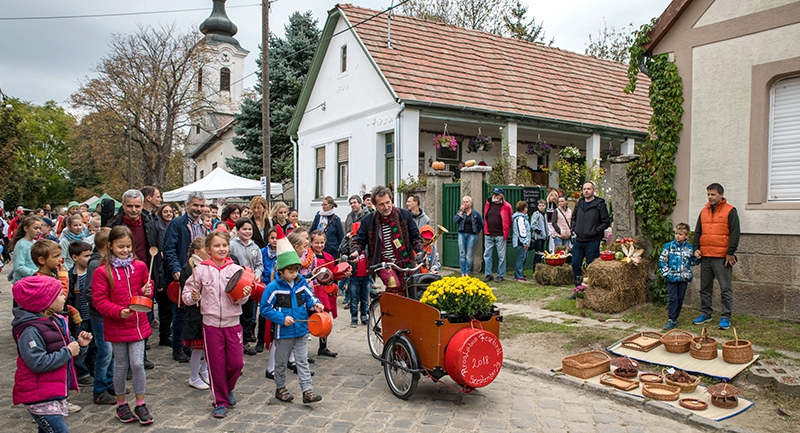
x: 356, y: 399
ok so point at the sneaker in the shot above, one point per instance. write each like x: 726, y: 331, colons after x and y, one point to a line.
x: 498, y: 279
x: 354, y: 324
x: 72, y: 408
x: 283, y: 395
x: 671, y: 324
x: 124, y: 413
x: 220, y: 411
x: 488, y: 279
x: 231, y: 399
x: 260, y: 346
x: 104, y: 398
x: 198, y: 384
x: 86, y: 380
x: 143, y: 414
x: 345, y: 301
x: 310, y: 397
x: 364, y: 322
x: 179, y: 356
x: 249, y: 350
x: 148, y: 365
x: 702, y: 318
x: 520, y: 280
x: 724, y: 323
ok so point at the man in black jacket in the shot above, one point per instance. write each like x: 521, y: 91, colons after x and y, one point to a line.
x: 589, y: 222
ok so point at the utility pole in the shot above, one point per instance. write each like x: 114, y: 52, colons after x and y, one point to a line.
x: 265, y: 145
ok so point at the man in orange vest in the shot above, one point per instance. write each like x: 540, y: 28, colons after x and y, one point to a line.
x: 716, y: 238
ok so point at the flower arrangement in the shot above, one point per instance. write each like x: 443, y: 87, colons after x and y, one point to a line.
x: 445, y: 140
x: 459, y: 295
x: 479, y: 143
x: 609, y: 153
x: 579, y: 291
x: 539, y: 148
x: 571, y: 154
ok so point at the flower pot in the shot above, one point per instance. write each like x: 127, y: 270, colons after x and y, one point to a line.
x: 579, y: 302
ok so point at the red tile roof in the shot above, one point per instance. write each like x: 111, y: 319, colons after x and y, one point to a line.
x: 444, y: 64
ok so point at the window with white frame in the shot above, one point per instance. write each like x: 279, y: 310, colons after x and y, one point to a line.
x: 343, y: 149
x: 319, y: 190
x: 784, y: 141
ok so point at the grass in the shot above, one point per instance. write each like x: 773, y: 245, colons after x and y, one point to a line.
x: 578, y: 337
x: 512, y: 291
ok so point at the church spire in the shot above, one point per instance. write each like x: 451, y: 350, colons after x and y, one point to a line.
x: 218, y: 27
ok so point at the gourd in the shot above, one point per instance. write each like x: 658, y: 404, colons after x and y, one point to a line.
x: 470, y: 163
x: 438, y: 165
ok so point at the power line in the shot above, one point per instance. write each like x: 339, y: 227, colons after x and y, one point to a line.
x: 119, y: 14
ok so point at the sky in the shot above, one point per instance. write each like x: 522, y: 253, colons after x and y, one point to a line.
x: 48, y: 59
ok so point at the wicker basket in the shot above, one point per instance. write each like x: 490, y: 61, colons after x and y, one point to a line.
x: 693, y: 404
x: 677, y: 341
x: 685, y: 387
x: 627, y: 374
x: 737, y: 351
x: 642, y: 341
x: 659, y: 391
x: 703, y: 347
x: 618, y: 382
x: 587, y: 364
x: 650, y: 378
x: 727, y: 402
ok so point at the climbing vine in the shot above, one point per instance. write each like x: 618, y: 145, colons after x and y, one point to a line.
x: 652, y: 176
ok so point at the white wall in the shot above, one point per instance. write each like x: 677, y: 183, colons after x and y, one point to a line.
x: 218, y: 152
x: 721, y: 89
x: 723, y: 10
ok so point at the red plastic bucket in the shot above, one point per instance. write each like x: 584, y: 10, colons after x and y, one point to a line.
x: 473, y: 357
x: 320, y: 325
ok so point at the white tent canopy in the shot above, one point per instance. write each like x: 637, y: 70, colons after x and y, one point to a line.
x: 221, y: 184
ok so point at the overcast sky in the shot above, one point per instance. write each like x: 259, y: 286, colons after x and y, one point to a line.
x: 44, y: 60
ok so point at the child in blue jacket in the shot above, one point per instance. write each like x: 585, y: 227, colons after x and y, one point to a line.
x: 287, y: 302
x: 675, y: 264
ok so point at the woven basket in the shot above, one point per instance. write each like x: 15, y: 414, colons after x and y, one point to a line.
x: 650, y: 378
x: 642, y: 341
x: 659, y: 391
x: 693, y: 404
x: 685, y: 387
x: 737, y: 351
x: 703, y: 347
x: 587, y: 364
x: 618, y: 382
x: 728, y: 402
x: 626, y: 374
x: 677, y: 341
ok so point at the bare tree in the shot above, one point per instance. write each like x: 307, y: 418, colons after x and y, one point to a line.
x: 611, y: 43
x: 484, y: 15
x: 148, y: 81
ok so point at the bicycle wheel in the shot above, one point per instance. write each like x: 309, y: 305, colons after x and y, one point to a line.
x: 374, y: 329
x: 400, y: 353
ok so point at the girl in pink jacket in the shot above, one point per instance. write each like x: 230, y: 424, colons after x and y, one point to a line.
x: 222, y: 333
x: 119, y: 278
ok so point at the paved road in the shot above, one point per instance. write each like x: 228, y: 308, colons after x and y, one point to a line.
x: 356, y: 399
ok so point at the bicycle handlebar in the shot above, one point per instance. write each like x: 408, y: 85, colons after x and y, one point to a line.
x: 387, y: 265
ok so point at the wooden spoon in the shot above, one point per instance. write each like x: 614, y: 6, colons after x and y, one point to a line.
x: 153, y: 252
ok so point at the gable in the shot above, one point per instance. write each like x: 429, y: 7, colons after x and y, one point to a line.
x: 721, y: 10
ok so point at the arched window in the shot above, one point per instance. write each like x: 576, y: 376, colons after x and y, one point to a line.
x: 224, y: 79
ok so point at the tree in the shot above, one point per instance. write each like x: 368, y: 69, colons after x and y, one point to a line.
x: 99, y: 157
x: 611, y: 43
x: 290, y: 59
x: 516, y: 28
x: 147, y: 81
x: 37, y: 142
x: 483, y: 15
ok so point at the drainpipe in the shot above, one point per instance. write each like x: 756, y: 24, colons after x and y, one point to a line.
x: 398, y: 159
x: 294, y: 158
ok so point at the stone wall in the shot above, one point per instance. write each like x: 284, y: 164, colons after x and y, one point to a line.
x: 766, y: 278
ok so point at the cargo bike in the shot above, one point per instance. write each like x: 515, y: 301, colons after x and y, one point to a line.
x: 412, y: 339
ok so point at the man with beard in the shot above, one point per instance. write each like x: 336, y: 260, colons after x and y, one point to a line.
x: 389, y: 235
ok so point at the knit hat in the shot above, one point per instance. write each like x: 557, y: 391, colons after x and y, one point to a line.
x: 48, y: 221
x: 286, y: 254
x: 36, y: 293
x: 73, y: 204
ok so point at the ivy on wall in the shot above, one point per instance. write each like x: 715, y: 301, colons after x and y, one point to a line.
x: 652, y: 176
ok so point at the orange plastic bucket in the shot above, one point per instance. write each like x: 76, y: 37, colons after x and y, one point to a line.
x: 320, y: 325
x: 242, y: 278
x: 141, y: 304
x: 473, y: 357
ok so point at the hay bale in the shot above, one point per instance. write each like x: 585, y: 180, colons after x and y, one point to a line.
x: 615, y: 286
x: 547, y: 275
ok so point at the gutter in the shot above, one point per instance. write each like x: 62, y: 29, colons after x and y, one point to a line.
x: 295, y: 147
x: 398, y: 160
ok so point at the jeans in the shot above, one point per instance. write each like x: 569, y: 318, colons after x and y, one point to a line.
x: 498, y: 243
x: 466, y: 248
x: 522, y: 255
x: 711, y: 267
x: 557, y: 242
x: 676, y: 292
x: 104, y: 362
x: 51, y: 423
x: 359, y: 293
x: 178, y: 316
x: 538, y: 246
x: 580, y: 250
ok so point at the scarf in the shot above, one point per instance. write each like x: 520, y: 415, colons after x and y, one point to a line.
x: 306, y: 261
x: 121, y: 263
x: 72, y: 237
x: 393, y: 221
x: 271, y: 253
x: 230, y: 223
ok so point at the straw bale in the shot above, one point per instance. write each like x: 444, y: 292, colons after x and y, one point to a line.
x: 547, y: 275
x: 615, y: 286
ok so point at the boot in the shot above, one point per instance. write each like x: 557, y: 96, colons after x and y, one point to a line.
x: 323, y: 349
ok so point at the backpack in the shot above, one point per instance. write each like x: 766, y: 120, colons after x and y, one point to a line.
x: 522, y: 227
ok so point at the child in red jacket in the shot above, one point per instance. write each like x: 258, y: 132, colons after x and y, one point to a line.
x: 119, y: 278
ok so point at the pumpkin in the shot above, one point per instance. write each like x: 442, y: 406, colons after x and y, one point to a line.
x: 470, y: 163
x: 438, y: 165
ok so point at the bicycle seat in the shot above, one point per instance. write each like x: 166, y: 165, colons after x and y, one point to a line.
x: 417, y: 283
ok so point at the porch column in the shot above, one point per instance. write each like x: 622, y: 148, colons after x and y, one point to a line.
x: 628, y: 146
x: 592, y: 149
x: 511, y: 136
x: 472, y: 185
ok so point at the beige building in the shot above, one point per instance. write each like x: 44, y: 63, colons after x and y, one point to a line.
x: 740, y: 64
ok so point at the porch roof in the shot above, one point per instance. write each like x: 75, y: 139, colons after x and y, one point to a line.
x: 443, y: 65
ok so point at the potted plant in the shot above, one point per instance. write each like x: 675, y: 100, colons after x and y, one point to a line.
x: 539, y: 148
x: 609, y: 153
x: 580, y: 294
x: 445, y: 140
x: 460, y: 298
x: 479, y: 143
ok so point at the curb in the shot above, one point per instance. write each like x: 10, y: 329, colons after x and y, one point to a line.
x: 652, y: 406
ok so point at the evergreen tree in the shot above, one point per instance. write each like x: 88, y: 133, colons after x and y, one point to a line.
x: 289, y: 62
x: 516, y: 28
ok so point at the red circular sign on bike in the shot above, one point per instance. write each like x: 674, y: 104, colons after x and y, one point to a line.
x: 473, y: 357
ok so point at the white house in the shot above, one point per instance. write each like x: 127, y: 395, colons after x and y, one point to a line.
x: 379, y: 91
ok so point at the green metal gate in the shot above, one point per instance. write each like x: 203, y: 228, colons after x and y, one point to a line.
x: 513, y: 194
x: 451, y: 196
